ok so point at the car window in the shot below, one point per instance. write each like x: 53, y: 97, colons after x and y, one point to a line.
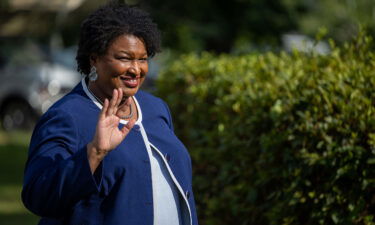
x: 26, y: 54
x: 65, y: 57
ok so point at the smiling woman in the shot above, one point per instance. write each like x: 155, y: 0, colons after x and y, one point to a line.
x: 123, y: 66
x: 106, y: 153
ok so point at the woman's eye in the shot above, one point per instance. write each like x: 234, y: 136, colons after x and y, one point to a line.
x: 128, y: 59
x: 124, y: 58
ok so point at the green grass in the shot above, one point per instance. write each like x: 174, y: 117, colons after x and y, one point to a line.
x: 13, y: 154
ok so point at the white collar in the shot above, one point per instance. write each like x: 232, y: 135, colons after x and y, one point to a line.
x: 95, y: 101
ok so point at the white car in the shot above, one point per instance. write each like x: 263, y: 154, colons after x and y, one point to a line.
x: 31, y: 80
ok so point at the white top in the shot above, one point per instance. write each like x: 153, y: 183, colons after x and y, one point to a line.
x: 166, y: 200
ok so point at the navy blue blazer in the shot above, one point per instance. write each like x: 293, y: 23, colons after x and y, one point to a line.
x: 59, y: 186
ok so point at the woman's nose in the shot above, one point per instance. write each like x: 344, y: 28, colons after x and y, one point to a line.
x: 134, y: 68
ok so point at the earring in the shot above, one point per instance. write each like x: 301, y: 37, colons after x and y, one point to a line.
x: 93, y: 76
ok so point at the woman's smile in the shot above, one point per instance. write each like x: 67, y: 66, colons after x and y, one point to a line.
x: 130, y: 82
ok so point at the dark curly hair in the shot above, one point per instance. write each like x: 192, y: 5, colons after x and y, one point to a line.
x: 109, y: 22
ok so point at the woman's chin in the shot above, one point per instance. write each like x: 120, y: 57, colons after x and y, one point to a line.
x: 128, y: 92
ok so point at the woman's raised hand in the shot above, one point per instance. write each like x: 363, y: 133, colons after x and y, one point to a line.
x: 108, y: 136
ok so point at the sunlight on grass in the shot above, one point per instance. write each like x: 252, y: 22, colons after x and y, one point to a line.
x: 15, y: 137
x: 10, y: 200
x: 13, y: 155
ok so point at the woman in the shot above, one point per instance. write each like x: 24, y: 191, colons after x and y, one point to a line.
x: 106, y: 153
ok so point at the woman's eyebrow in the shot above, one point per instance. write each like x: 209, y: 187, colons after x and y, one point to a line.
x: 128, y: 53
x: 132, y: 54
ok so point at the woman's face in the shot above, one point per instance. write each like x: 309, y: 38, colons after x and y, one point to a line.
x: 124, y: 66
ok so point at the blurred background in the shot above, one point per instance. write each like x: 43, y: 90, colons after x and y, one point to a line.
x: 38, y: 42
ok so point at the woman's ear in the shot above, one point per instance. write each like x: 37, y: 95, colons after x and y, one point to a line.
x: 93, y: 59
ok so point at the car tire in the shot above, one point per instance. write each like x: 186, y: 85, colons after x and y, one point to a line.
x: 17, y: 115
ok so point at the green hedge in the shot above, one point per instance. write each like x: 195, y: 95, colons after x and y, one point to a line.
x: 278, y: 138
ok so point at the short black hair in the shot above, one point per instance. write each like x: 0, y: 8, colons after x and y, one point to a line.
x: 107, y: 23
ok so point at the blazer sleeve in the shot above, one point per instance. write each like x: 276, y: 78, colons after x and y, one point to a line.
x: 57, y: 173
x: 169, y: 116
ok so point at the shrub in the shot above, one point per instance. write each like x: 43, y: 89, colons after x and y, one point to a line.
x: 278, y: 138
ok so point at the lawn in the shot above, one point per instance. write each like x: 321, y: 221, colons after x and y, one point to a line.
x: 13, y: 154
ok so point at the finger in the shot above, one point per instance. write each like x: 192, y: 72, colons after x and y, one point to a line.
x: 105, y: 108
x: 120, y: 94
x: 112, y: 103
x: 128, y: 101
x: 127, y: 127
x: 117, y: 103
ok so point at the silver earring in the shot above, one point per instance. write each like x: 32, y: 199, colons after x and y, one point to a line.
x: 93, y: 76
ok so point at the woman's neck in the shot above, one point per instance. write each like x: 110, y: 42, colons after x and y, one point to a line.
x: 127, y: 108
